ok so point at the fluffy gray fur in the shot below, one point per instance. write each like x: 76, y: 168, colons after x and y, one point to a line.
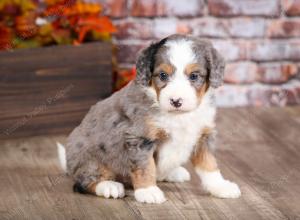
x: 113, y: 135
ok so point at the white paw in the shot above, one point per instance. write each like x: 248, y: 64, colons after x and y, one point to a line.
x: 151, y: 194
x: 214, y: 183
x: 110, y: 189
x: 179, y: 174
x: 225, y: 189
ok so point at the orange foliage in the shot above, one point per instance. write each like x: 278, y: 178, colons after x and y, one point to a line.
x: 60, y: 22
x: 83, y: 18
x: 124, y: 77
x: 92, y: 23
x: 83, y: 9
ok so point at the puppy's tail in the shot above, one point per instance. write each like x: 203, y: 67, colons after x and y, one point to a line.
x: 61, y: 150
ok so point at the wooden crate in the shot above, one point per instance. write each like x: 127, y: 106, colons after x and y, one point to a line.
x: 49, y: 90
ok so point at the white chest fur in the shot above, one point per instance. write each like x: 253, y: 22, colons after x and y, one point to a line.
x: 184, y: 131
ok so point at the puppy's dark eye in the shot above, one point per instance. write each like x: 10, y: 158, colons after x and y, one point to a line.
x: 193, y: 76
x: 163, y: 76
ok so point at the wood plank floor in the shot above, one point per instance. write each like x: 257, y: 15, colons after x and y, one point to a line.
x: 258, y: 148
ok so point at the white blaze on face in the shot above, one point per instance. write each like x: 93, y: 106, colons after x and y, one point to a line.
x: 180, y: 54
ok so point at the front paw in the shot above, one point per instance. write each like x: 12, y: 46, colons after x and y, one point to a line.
x: 151, y: 194
x: 179, y: 174
x: 224, y: 189
x: 214, y: 183
x: 110, y: 189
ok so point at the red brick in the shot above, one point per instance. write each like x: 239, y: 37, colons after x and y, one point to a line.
x: 151, y: 8
x: 143, y: 8
x: 267, y: 8
x: 180, y: 8
x: 259, y: 95
x: 164, y: 27
x: 251, y: 95
x: 246, y: 27
x: 276, y: 72
x: 275, y: 50
x: 234, y: 27
x: 265, y: 95
x: 240, y: 73
x: 284, y: 28
x: 127, y: 52
x: 232, y: 95
x: 231, y: 50
x: 294, y: 50
x: 292, y: 92
x: 184, y: 27
x: 209, y: 27
x: 291, y: 7
x: 115, y: 8
x: 137, y: 29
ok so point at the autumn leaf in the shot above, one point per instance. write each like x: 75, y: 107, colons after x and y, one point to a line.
x: 5, y: 38
x: 26, y: 5
x: 100, y: 36
x: 92, y: 23
x: 45, y: 34
x: 25, y: 25
x: 14, y: 7
x: 124, y: 77
x: 80, y: 9
x: 56, y: 10
x: 45, y: 29
x: 59, y: 2
x: 62, y: 36
x: 59, y: 8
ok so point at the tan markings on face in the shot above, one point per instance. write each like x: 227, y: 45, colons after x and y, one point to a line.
x: 202, y: 157
x: 142, y: 178
x: 165, y: 67
x: 190, y: 68
x: 201, y: 91
x: 156, y: 83
x: 156, y: 88
x: 201, y: 88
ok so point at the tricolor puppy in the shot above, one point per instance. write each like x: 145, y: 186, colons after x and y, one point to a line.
x: 157, y: 123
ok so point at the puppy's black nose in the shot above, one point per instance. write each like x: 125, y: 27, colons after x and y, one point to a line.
x: 176, y: 102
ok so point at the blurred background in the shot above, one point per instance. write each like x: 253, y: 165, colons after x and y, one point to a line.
x: 58, y: 57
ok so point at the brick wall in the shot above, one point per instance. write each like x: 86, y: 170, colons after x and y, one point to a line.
x: 260, y: 39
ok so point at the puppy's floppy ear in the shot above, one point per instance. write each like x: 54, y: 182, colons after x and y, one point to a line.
x: 216, y: 66
x: 146, y: 61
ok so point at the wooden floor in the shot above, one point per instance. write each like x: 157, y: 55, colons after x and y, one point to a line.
x: 258, y: 148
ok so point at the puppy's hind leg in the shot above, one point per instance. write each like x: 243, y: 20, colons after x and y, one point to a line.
x: 101, y: 184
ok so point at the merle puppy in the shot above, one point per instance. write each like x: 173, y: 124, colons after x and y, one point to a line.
x: 169, y: 107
